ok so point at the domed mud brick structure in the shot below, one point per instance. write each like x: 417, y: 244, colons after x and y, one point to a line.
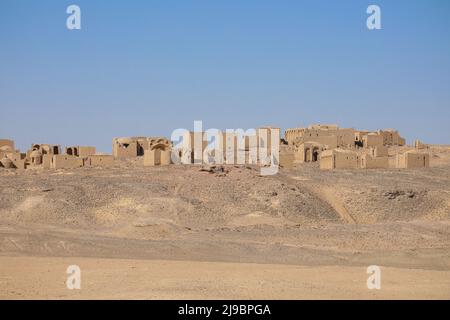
x: 158, y: 153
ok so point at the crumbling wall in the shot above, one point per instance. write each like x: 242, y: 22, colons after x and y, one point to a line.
x: 63, y: 161
x: 413, y: 160
x: 80, y: 151
x: 327, y: 160
x: 373, y: 140
x: 124, y: 148
x: 419, y: 145
x: 391, y: 137
x: 370, y: 162
x: 156, y: 157
x: 99, y: 160
x: 339, y: 159
x: 47, y: 161
x: 345, y: 160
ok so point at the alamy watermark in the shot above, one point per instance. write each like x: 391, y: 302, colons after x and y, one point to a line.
x: 73, y: 21
x: 74, y: 279
x: 373, y: 22
x: 374, y: 280
x: 233, y: 146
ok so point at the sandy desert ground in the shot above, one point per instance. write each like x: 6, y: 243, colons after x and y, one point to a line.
x: 183, y: 232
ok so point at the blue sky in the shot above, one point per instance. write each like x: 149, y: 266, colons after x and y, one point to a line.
x: 149, y: 67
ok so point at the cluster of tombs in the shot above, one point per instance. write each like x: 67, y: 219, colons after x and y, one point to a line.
x: 331, y: 146
x: 200, y: 147
x: 347, y: 148
x: 155, y: 150
x: 47, y: 156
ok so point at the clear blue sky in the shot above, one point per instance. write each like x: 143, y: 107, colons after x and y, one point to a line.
x: 148, y: 67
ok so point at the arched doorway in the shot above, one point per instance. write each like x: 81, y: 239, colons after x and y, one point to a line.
x: 161, y: 154
x: 315, y: 154
x: 140, y: 150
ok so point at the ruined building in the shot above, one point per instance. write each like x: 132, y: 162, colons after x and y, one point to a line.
x: 339, y: 159
x: 331, y: 146
x: 346, y: 147
x: 154, y: 150
x: 235, y: 147
x: 47, y: 156
x: 412, y: 160
x: 158, y: 152
x: 9, y: 156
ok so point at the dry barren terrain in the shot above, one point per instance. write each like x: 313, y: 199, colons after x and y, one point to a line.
x: 226, y: 232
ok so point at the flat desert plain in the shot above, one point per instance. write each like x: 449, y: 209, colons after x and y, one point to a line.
x: 190, y: 232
